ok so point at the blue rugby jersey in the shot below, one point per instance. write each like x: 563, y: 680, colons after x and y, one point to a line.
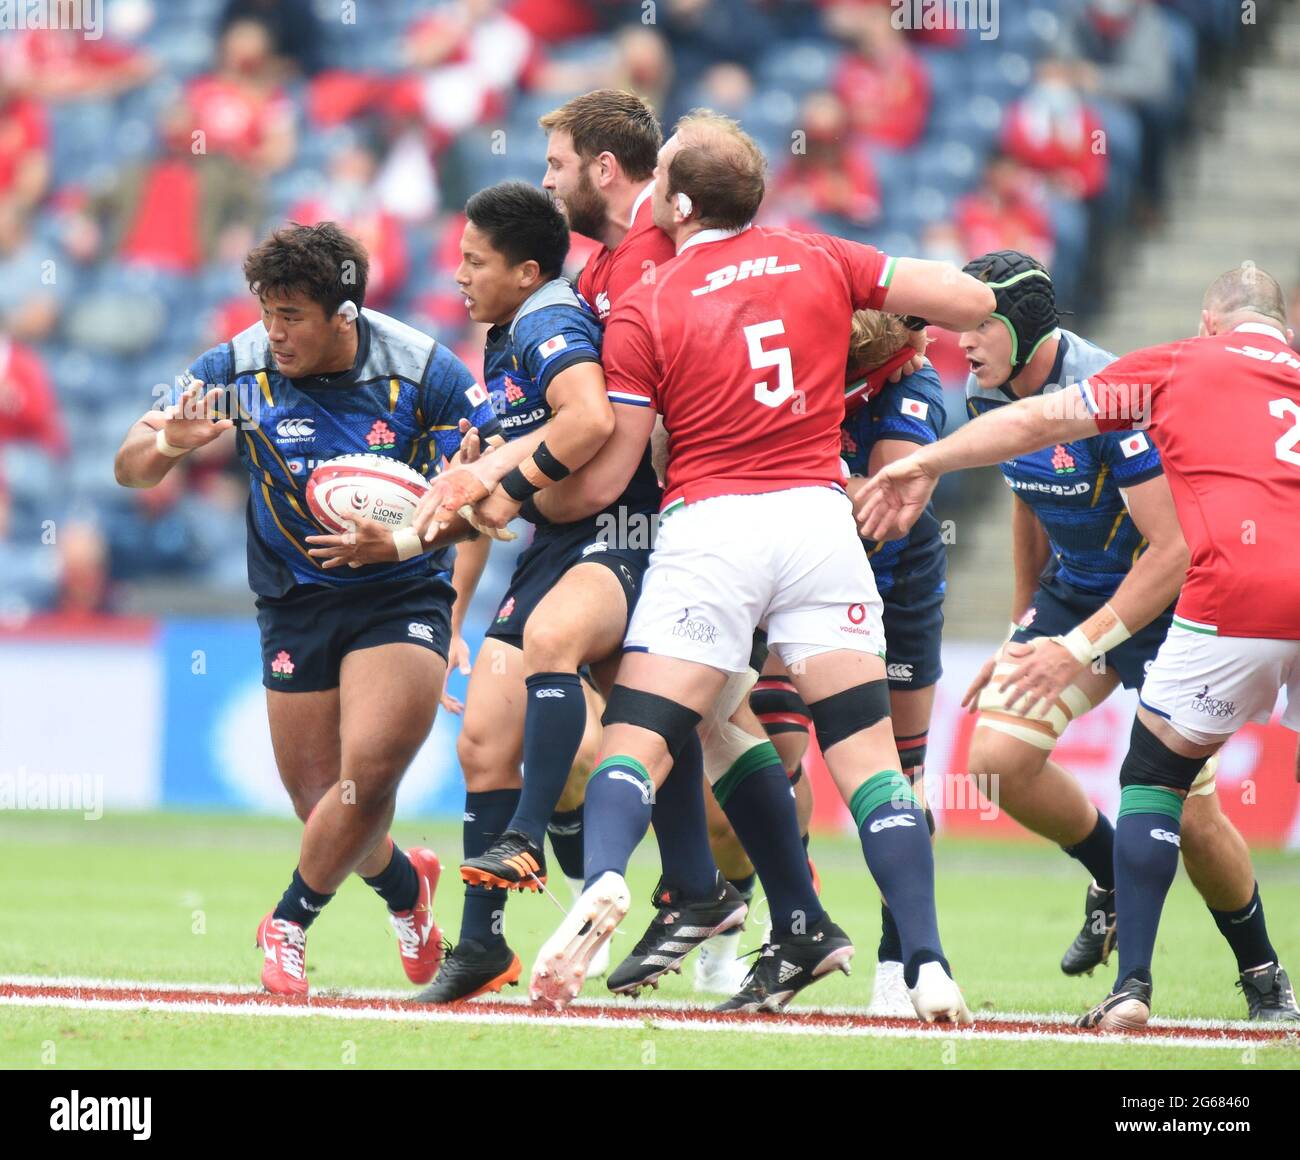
x: 402, y: 398
x: 553, y: 329
x: 1074, y: 488
x: 911, y: 410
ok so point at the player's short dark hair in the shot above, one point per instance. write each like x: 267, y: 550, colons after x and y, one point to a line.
x: 720, y: 168
x: 522, y: 223
x: 323, y: 262
x: 611, y: 121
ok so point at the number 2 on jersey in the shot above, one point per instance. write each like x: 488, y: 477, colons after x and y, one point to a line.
x: 778, y: 357
x: 1286, y: 444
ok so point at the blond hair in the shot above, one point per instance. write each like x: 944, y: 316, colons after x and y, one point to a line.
x: 874, y: 338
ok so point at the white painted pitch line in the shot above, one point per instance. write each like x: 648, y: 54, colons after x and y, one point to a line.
x: 1055, y: 1018
x: 601, y: 1022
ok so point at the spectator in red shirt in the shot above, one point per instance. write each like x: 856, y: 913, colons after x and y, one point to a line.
x: 884, y: 84
x: 1007, y: 212
x: 29, y: 409
x: 240, y: 108
x: 62, y: 64
x: 24, y: 156
x: 176, y: 212
x: 1051, y: 129
x: 833, y: 177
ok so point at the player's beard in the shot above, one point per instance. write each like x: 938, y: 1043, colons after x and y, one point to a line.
x: 585, y: 209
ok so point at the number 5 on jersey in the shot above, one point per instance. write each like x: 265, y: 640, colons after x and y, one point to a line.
x: 778, y: 357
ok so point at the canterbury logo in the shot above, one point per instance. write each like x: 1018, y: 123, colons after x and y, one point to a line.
x: 898, y: 672
x: 549, y: 693
x: 1165, y: 836
x: 295, y: 428
x: 889, y: 823
x: 642, y: 787
x: 422, y: 631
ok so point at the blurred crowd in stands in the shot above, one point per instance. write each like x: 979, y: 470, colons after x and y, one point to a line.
x: 137, y: 168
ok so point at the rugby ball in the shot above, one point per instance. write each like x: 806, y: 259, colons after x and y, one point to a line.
x: 343, y: 490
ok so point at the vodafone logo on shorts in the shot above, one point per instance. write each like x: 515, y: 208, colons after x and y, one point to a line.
x: 857, y: 613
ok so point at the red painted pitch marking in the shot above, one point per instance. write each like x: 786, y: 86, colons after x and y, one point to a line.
x: 625, y: 1013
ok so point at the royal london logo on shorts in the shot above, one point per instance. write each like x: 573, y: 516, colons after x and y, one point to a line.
x: 1212, y: 706
x: 695, y: 629
x: 423, y: 632
x: 282, y: 667
x: 898, y: 672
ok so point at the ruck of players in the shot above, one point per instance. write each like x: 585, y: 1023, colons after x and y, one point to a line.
x: 760, y: 399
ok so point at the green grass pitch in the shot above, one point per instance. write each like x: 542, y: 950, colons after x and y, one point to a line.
x: 177, y: 898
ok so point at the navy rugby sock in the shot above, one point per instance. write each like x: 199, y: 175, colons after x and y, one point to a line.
x: 1097, y: 852
x: 755, y: 795
x: 1247, y: 933
x: 1146, y: 860
x: 682, y: 827
x: 300, y: 903
x: 486, y: 815
x: 896, y: 844
x: 565, y: 830
x: 397, y: 884
x: 554, y: 721
x: 620, y: 796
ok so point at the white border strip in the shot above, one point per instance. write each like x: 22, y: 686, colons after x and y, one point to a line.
x: 608, y: 1023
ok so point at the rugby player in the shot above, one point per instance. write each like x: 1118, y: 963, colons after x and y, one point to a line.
x: 887, y: 415
x: 1224, y: 411
x: 601, y: 151
x: 1093, y: 526
x: 353, y: 659
x: 573, y: 588
x: 753, y: 480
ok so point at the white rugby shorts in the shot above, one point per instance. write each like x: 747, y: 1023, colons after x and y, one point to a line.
x: 1208, y: 686
x: 788, y: 561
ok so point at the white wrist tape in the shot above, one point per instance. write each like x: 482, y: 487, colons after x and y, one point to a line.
x: 168, y: 449
x: 407, y: 542
x: 1077, y: 643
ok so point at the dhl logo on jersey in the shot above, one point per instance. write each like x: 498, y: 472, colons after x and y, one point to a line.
x: 749, y: 268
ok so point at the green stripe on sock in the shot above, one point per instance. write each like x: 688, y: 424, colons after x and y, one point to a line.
x: 748, y: 762
x: 624, y: 762
x: 1150, y: 799
x: 880, y: 789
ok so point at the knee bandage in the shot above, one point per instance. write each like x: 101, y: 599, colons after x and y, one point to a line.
x: 777, y: 704
x: 1150, y: 762
x: 1043, y: 727
x: 725, y: 743
x: 673, y: 722
x: 850, y: 711
x: 911, y: 752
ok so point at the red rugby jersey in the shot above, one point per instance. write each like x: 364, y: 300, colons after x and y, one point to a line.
x: 610, y: 274
x: 1224, y: 412
x: 740, y: 343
